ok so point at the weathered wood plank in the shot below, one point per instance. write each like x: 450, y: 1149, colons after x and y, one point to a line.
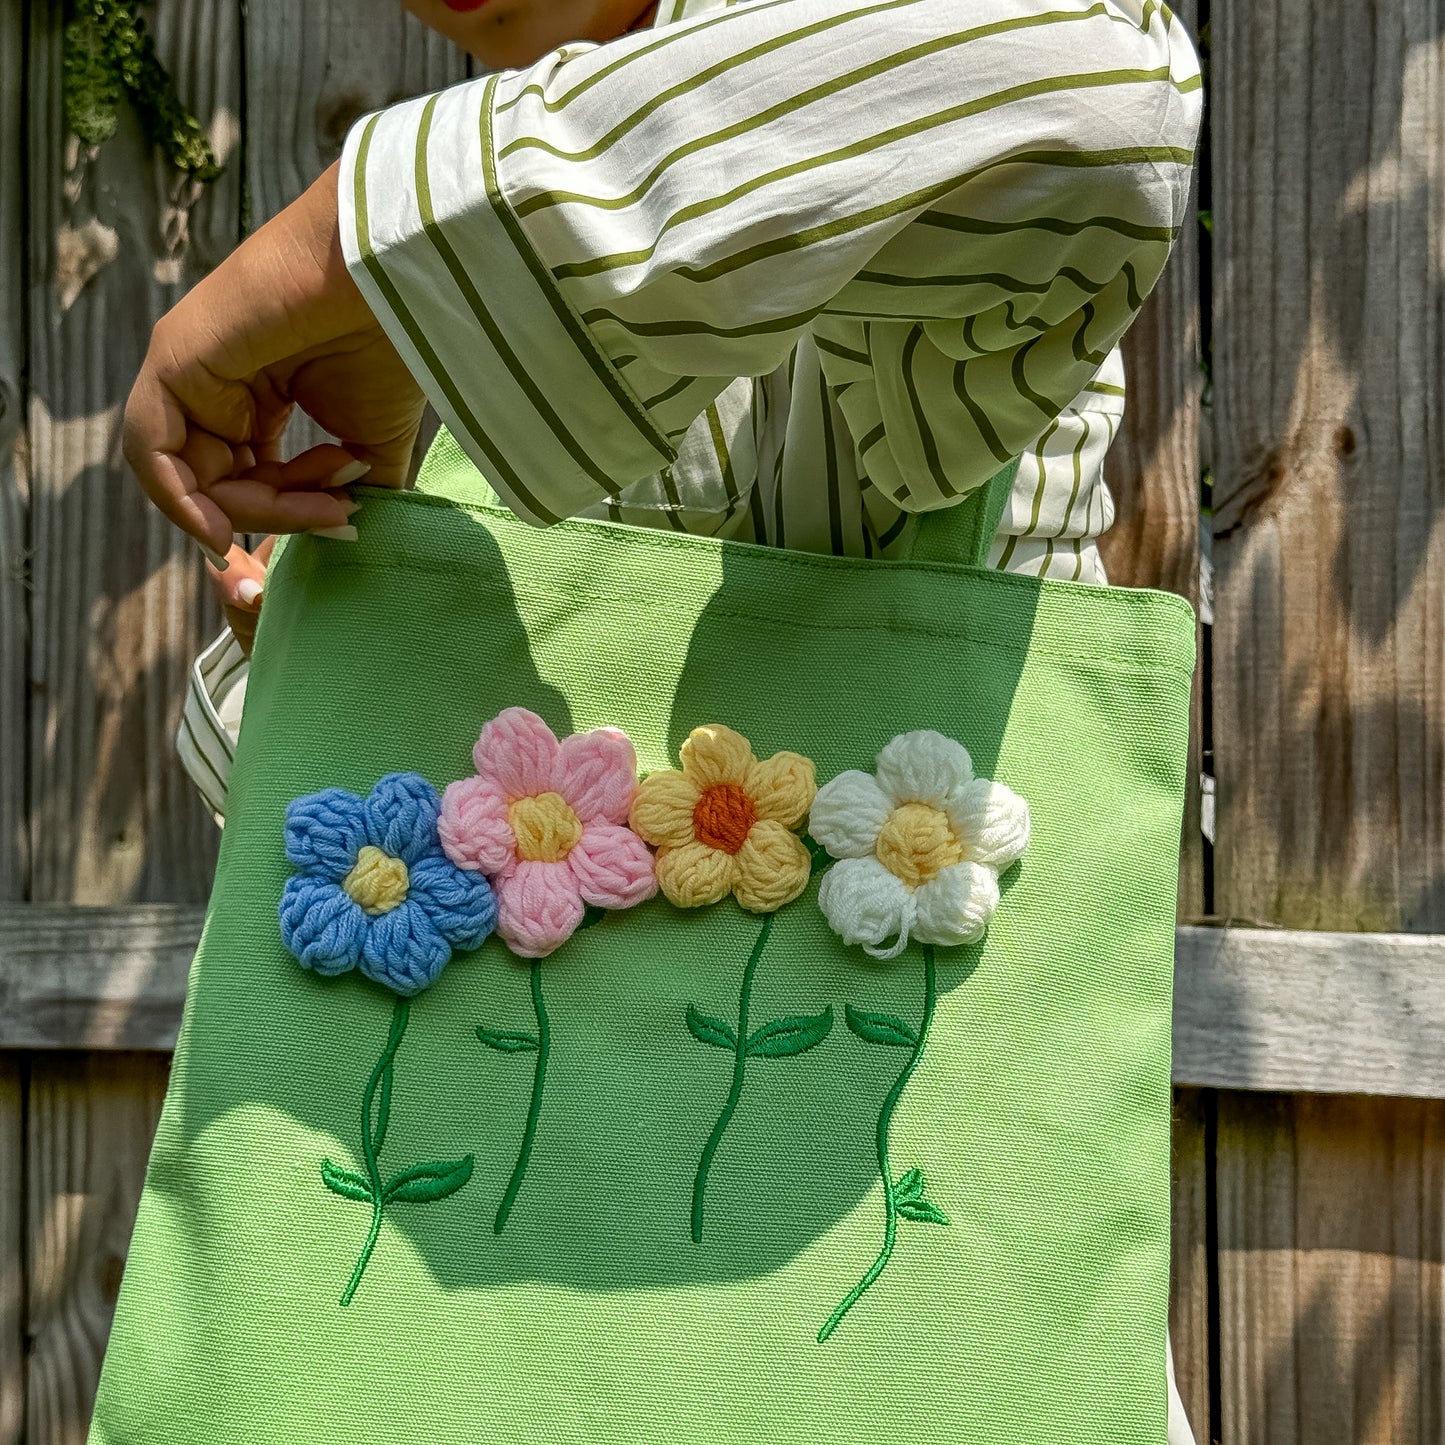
x: 1329, y: 131
x: 1154, y: 462
x: 90, y: 1123
x: 312, y: 70
x: 12, y: 1250
x: 1153, y: 474
x: 94, y: 978
x: 119, y: 603
x: 1189, y: 1264
x: 1329, y: 689
x: 1329, y: 1013
x: 1330, y: 1269
x: 13, y: 483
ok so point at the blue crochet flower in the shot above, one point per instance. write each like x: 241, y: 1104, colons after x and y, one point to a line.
x: 373, y: 889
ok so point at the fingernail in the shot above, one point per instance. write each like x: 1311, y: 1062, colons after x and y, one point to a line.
x: 336, y: 534
x: 214, y: 558
x: 351, y: 472
x: 248, y: 590
x: 349, y: 507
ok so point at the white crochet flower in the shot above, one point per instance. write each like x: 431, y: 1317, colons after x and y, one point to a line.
x: 920, y: 845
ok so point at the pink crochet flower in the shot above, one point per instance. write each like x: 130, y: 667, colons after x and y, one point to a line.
x: 545, y: 821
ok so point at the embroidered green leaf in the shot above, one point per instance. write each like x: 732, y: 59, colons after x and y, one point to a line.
x: 345, y: 1183
x: 921, y: 1211
x: 506, y: 1042
x: 708, y: 1030
x: 592, y: 915
x: 880, y: 1028
x: 424, y: 1183
x: 909, y: 1187
x: 784, y: 1037
x: 908, y: 1200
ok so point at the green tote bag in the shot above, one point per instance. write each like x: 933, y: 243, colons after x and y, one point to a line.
x: 857, y: 1130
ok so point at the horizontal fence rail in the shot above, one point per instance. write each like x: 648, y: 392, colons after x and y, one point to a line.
x: 1254, y: 1008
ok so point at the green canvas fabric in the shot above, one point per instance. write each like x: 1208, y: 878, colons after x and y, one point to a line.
x: 1038, y: 1113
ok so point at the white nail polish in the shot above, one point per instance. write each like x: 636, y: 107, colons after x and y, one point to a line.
x: 351, y: 472
x: 247, y: 591
x: 214, y: 558
x: 336, y: 534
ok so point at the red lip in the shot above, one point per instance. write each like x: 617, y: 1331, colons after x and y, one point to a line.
x: 464, y: 4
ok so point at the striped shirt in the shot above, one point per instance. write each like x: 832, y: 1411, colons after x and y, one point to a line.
x: 789, y: 271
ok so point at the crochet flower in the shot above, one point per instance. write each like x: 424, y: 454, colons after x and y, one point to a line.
x: 373, y: 889
x: 545, y: 821
x: 921, y: 844
x: 724, y: 823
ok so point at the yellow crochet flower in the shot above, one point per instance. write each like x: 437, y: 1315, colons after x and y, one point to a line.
x: 724, y: 823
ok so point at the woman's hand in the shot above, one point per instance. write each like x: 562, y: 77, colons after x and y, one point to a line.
x: 279, y: 324
x: 239, y: 589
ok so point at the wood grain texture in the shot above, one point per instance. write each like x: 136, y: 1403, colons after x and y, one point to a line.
x: 12, y: 1249
x: 94, y: 978
x: 13, y: 481
x: 1189, y: 1263
x: 1325, y: 1013
x: 90, y: 1122
x: 1153, y: 466
x: 1329, y: 685
x: 312, y: 70
x: 1330, y: 1270
x: 1153, y: 473
x: 119, y: 603
x: 1154, y: 476
x: 1328, y: 128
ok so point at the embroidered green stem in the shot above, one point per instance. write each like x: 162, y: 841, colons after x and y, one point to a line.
x: 421, y: 1184
x: 740, y: 1063
x: 904, y: 1199
x: 782, y: 1038
x: 534, y: 1109
x: 509, y: 1041
x: 373, y: 1134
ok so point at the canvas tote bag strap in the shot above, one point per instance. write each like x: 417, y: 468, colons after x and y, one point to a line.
x: 956, y: 534
x: 964, y: 533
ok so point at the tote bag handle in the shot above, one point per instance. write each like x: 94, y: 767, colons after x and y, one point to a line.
x: 964, y: 533
x: 956, y: 534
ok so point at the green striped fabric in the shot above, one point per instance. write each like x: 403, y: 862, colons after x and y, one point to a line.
x: 786, y: 271
x: 790, y: 271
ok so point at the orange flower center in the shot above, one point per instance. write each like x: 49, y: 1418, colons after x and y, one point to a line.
x: 545, y: 828
x: 723, y: 817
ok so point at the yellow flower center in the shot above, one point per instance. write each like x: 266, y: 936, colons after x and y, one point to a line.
x: 378, y: 882
x: 917, y: 844
x: 545, y: 828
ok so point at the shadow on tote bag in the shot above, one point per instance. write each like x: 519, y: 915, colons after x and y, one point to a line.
x: 701, y: 1174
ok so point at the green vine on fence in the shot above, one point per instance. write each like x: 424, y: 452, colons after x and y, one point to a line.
x: 109, y: 55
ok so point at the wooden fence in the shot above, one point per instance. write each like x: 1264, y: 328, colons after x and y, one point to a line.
x: 1310, y: 1136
